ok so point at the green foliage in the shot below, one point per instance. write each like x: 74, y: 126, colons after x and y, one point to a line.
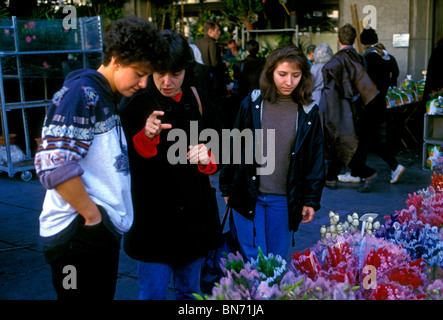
x: 240, y: 12
x: 267, y: 265
x: 197, y: 31
x: 166, y: 16
x: 235, y: 264
x: 4, y: 13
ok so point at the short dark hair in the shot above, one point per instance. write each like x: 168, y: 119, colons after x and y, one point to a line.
x: 287, y: 53
x: 133, y: 40
x: 209, y: 25
x: 252, y: 46
x: 310, y: 49
x: 180, y: 55
x: 347, y: 34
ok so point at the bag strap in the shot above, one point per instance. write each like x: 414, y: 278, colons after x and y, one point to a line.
x: 201, y: 113
x: 198, y: 100
x: 225, y: 217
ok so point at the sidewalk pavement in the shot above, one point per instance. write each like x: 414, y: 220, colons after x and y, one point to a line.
x: 24, y: 274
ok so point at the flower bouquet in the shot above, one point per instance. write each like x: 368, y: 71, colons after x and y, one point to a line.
x: 350, y: 267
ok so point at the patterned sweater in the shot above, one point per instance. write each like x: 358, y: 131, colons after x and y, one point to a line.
x: 82, y: 135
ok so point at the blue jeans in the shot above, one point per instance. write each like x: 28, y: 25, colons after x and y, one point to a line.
x: 271, y: 226
x: 153, y: 280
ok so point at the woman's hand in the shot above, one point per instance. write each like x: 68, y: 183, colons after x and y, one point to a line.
x: 308, y: 214
x: 198, y: 154
x: 154, y: 126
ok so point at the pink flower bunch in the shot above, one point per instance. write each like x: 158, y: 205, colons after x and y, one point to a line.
x: 425, y: 206
x: 425, y: 209
x: 29, y: 25
x: 396, y: 275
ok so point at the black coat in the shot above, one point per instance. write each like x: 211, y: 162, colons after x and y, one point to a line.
x: 306, y: 174
x: 434, y: 79
x: 211, y: 56
x: 247, y: 72
x: 175, y: 209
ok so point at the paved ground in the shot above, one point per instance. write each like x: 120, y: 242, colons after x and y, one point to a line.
x: 24, y: 275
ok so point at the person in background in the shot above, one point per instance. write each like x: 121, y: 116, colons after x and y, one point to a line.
x: 248, y: 71
x: 202, y: 73
x: 211, y: 56
x: 348, y: 91
x: 246, y: 75
x: 270, y: 200
x: 322, y: 54
x: 434, y: 79
x: 310, y: 54
x: 382, y: 68
x: 176, y: 218
x: 230, y: 54
x: 83, y: 163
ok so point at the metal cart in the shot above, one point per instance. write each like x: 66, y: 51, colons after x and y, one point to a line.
x: 84, y: 40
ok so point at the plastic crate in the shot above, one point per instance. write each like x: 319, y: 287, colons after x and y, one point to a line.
x: 433, y: 128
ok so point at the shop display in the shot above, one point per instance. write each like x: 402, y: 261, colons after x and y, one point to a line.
x: 408, y: 92
x: 409, y: 87
x: 421, y: 85
x: 435, y: 157
x: 435, y: 106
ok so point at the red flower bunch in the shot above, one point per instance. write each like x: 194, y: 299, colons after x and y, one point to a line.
x: 437, y: 182
x: 395, y: 274
x: 339, y: 266
x: 306, y: 263
x: 340, y: 263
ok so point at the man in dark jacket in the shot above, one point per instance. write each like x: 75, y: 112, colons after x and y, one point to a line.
x: 347, y: 90
x: 248, y: 71
x: 211, y: 56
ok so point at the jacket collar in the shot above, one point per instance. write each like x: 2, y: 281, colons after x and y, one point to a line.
x: 257, y: 103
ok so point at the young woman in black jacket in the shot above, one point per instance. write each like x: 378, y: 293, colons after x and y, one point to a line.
x: 270, y: 199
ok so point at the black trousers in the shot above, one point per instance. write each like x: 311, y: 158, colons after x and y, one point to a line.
x: 84, y: 261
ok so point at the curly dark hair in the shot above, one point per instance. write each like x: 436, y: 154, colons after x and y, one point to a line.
x: 287, y: 53
x: 180, y: 55
x: 134, y: 40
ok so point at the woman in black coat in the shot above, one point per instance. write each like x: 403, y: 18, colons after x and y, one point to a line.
x: 176, y: 220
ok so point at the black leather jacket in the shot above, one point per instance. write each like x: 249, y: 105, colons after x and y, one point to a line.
x: 306, y: 174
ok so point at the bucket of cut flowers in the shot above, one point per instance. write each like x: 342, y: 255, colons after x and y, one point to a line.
x: 399, y: 260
